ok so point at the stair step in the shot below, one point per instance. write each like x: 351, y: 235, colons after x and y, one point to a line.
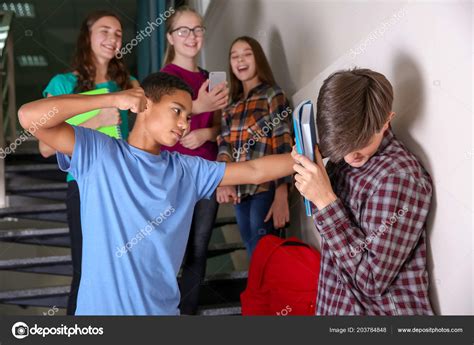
x: 220, y: 310
x: 58, y: 265
x: 20, y: 168
x: 51, y: 191
x: 57, y: 237
x: 39, y: 187
x: 50, y: 212
x: 38, y: 297
x: 224, y: 221
x: 45, y: 169
x: 57, y: 295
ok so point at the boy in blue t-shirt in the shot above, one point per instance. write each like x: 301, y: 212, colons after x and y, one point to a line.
x: 137, y: 201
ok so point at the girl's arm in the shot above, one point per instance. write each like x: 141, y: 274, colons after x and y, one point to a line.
x: 281, y: 142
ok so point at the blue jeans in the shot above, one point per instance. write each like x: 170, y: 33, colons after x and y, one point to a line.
x: 250, y: 214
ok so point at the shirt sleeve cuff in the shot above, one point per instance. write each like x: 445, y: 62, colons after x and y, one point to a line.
x: 331, y: 217
x: 332, y: 222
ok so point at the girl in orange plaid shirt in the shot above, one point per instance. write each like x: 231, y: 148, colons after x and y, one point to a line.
x: 255, y: 124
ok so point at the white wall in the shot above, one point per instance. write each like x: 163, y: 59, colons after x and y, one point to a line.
x: 425, y: 50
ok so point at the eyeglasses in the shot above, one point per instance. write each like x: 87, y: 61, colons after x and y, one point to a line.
x: 184, y: 31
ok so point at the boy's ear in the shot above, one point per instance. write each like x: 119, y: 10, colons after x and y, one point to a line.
x: 149, y: 103
x: 390, y: 118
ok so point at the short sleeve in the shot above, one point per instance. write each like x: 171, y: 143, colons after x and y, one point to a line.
x: 89, y: 146
x: 59, y: 85
x: 206, y: 174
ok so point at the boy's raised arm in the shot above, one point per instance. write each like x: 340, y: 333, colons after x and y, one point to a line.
x: 258, y: 171
x: 45, y: 118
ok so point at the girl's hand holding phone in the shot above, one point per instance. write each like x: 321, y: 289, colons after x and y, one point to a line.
x: 213, y: 100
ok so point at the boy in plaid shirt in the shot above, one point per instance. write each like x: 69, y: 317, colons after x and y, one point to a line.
x: 372, y: 202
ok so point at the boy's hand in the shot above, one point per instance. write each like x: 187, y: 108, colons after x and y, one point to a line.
x: 227, y: 194
x: 211, y: 101
x: 131, y: 99
x: 312, y: 180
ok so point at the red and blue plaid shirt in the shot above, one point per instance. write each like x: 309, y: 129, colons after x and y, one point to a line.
x: 373, y: 238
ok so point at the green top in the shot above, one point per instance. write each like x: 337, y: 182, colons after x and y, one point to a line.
x: 64, y: 84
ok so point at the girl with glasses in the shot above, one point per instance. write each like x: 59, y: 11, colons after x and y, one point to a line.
x: 185, y: 36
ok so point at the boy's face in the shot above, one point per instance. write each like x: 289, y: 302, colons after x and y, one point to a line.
x: 167, y: 121
x: 359, y: 157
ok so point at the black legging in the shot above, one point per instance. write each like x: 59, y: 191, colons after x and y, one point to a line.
x: 73, y: 204
x: 194, y: 265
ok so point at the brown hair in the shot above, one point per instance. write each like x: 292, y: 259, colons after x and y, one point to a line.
x: 83, y: 60
x: 264, y: 72
x: 352, y: 106
x: 170, y: 22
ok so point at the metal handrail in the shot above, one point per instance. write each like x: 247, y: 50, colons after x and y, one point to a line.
x: 7, y: 93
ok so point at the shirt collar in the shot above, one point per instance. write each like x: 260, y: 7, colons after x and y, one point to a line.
x: 254, y: 90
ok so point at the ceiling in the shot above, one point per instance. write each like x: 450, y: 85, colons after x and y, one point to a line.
x: 52, y: 33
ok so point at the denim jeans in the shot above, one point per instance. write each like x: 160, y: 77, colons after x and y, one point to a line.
x: 250, y: 214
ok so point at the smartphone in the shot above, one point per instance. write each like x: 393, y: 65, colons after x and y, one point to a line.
x: 215, y: 78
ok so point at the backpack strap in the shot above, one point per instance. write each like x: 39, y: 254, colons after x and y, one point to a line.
x: 266, y: 247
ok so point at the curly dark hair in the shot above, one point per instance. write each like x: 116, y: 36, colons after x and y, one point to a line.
x: 158, y: 84
x: 83, y: 62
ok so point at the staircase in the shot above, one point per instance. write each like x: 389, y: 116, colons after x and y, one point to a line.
x: 36, y: 219
x: 35, y: 261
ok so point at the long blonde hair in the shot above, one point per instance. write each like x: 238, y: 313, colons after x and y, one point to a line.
x: 170, y: 22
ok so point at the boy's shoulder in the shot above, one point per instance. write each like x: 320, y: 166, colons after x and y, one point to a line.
x: 397, y: 159
x: 92, y: 137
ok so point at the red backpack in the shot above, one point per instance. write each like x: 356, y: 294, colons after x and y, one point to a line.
x: 283, y: 278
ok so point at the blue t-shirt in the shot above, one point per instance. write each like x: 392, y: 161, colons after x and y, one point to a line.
x: 136, y: 212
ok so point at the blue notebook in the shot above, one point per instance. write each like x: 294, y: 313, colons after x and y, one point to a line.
x: 306, y: 136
